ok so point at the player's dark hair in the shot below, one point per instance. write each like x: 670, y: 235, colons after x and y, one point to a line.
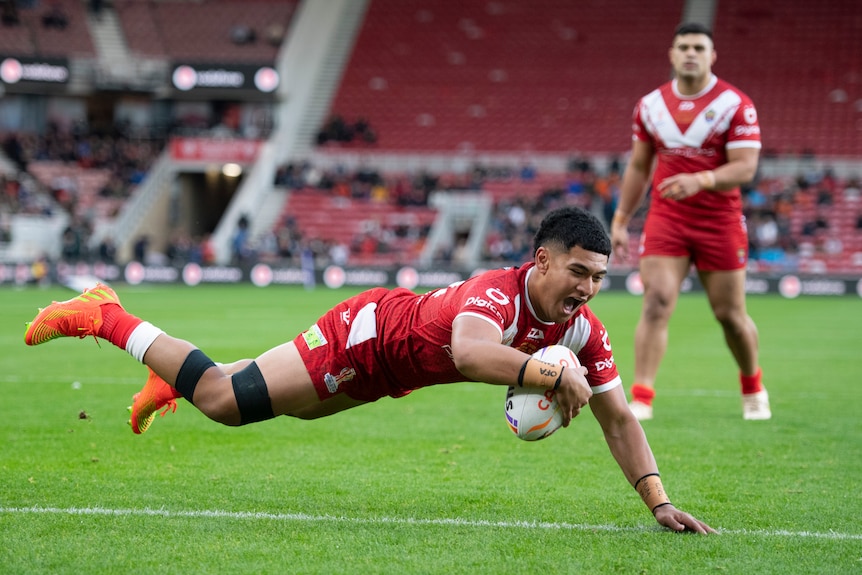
x: 572, y: 226
x: 692, y: 28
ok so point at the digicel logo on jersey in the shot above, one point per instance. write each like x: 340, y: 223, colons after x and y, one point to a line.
x: 746, y: 130
x: 480, y: 302
x: 494, y: 295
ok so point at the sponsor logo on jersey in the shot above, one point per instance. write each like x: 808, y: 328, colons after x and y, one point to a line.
x: 333, y: 381
x: 686, y: 105
x: 484, y: 303
x: 314, y: 337
x: 536, y: 333
x: 497, y: 296
x: 689, y: 152
x: 605, y: 343
x: 749, y: 114
x: 345, y: 317
x: 746, y: 131
x: 605, y: 364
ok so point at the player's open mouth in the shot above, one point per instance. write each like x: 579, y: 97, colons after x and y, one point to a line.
x: 570, y: 305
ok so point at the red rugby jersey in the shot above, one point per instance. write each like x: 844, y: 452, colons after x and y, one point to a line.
x: 693, y: 133
x: 414, y: 333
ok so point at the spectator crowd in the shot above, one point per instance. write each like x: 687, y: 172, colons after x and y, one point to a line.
x: 791, y: 220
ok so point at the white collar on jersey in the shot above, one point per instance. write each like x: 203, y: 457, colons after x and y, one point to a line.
x: 710, y: 85
x: 527, y: 298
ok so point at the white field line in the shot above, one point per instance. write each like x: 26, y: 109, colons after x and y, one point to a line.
x: 476, y: 523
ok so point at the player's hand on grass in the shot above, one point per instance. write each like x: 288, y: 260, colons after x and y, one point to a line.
x: 574, y: 393
x: 672, y: 518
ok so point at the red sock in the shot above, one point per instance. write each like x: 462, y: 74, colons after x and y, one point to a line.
x: 643, y: 394
x: 751, y: 383
x: 117, y: 324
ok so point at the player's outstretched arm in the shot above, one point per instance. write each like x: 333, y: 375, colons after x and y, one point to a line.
x: 629, y: 446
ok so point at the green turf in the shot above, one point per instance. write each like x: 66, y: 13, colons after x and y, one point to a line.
x: 434, y: 482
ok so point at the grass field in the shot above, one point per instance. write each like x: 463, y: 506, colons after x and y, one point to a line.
x: 434, y: 482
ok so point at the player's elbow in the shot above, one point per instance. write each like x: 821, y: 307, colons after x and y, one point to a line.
x: 745, y: 166
x: 748, y: 173
x: 467, y: 362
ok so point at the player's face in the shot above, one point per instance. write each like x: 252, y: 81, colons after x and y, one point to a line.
x: 692, y: 57
x: 567, y: 280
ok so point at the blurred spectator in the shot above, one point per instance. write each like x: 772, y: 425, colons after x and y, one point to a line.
x: 40, y: 271
x: 107, y: 250
x: 141, y: 249
x: 178, y: 250
x: 55, y: 17
x: 275, y: 32
x: 241, y: 34
x: 71, y: 249
x: 9, y: 15
x: 5, y: 227
x: 241, y: 248
x: 851, y: 190
x: 337, y: 129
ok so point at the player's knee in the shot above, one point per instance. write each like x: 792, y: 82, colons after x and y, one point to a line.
x: 236, y: 399
x: 732, y: 320
x: 658, y: 305
x: 251, y: 395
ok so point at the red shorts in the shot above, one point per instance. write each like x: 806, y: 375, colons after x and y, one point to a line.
x: 344, y: 360
x: 713, y: 244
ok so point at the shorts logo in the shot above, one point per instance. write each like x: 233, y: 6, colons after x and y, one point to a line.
x: 314, y: 337
x: 333, y: 381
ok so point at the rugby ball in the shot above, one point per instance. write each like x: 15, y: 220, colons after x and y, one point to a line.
x: 532, y: 413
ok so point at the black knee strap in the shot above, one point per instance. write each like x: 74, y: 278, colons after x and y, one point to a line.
x: 252, y: 396
x: 193, y: 368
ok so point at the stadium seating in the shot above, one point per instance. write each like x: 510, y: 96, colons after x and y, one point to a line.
x: 200, y: 31
x: 32, y: 38
x: 800, y: 63
x: 85, y: 184
x: 493, y: 76
x: 321, y: 216
x: 542, y: 76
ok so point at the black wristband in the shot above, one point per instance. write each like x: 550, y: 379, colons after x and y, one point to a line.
x: 521, y: 374
x: 559, y: 379
x: 645, y: 476
x: 660, y: 505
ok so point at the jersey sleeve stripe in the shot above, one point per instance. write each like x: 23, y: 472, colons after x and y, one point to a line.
x: 615, y: 382
x: 486, y: 318
x: 743, y: 144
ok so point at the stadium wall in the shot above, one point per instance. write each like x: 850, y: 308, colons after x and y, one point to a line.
x: 333, y: 277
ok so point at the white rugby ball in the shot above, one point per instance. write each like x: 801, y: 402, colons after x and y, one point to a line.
x: 532, y: 413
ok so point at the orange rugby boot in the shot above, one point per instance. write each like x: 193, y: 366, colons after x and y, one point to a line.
x: 77, y: 317
x: 155, y: 395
